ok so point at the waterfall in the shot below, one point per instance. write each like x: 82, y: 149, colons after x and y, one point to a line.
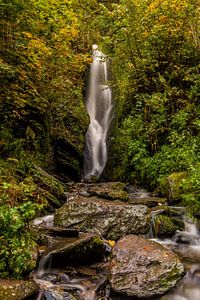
x: 99, y: 107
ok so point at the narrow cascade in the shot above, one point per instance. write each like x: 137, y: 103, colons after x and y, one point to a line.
x: 99, y: 107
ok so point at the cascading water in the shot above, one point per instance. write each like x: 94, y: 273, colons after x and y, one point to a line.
x: 187, y: 245
x: 99, y: 107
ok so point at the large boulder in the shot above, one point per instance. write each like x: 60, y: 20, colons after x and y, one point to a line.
x: 111, y: 219
x: 143, y: 268
x: 16, y: 289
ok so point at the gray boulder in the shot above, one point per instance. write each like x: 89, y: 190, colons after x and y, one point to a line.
x: 143, y: 268
x: 111, y: 219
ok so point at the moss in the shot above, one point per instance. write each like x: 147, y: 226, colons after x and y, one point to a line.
x: 114, y: 195
x: 171, y: 279
x: 16, y: 289
x: 53, y: 188
x: 110, y: 190
x: 165, y: 226
x: 171, y: 185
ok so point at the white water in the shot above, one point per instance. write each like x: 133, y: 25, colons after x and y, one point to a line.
x: 99, y: 107
x: 187, y: 245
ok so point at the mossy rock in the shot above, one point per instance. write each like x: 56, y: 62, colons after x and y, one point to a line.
x: 148, y: 201
x: 50, y: 187
x: 165, y: 226
x: 109, y: 190
x: 171, y: 186
x: 17, y: 289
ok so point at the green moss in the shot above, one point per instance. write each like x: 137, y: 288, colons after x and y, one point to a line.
x: 165, y: 226
x: 171, y: 279
x: 171, y: 185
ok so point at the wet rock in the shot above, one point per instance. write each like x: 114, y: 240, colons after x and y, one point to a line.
x: 17, y: 289
x: 86, y: 271
x: 109, y: 190
x: 148, y: 201
x: 143, y: 268
x: 111, y: 219
x: 43, y: 230
x: 87, y: 248
x: 91, y: 179
x: 56, y: 295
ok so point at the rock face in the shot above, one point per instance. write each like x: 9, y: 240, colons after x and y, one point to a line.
x: 111, y: 219
x: 143, y: 268
x: 16, y: 289
x: 68, y: 159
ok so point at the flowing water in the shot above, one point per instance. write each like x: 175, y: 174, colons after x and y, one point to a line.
x: 66, y: 285
x: 99, y: 107
x: 187, y: 245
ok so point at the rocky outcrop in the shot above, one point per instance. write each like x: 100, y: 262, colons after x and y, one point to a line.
x: 111, y: 219
x: 17, y: 289
x: 143, y: 268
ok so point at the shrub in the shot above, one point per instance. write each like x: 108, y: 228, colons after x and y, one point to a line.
x: 16, y: 247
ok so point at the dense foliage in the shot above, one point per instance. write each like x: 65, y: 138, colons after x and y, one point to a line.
x: 155, y: 48
x: 43, y: 59
x: 44, y: 55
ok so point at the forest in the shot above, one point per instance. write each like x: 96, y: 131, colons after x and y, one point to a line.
x: 45, y: 54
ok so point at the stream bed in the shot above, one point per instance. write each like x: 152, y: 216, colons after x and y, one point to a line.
x: 90, y: 281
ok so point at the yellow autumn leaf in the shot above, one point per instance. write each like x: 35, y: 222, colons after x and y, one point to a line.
x: 111, y: 243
